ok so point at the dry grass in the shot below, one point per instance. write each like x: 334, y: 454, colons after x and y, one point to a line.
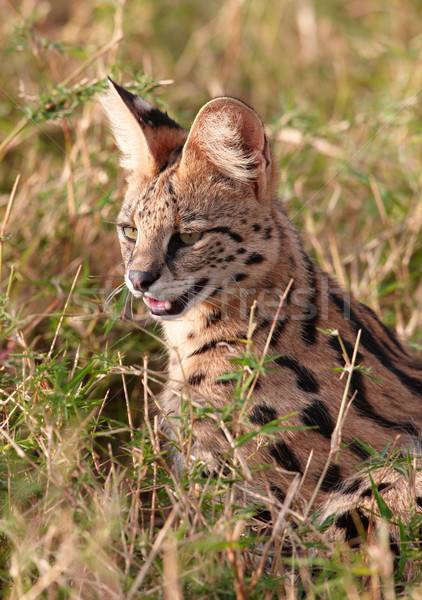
x: 90, y: 507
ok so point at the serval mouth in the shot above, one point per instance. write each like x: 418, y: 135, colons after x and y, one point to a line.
x: 176, y: 306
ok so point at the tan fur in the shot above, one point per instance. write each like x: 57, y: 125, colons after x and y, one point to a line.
x: 223, y: 184
x: 131, y: 141
x: 224, y: 135
x: 143, y: 150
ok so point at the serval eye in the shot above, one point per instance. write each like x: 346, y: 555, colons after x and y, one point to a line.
x: 190, y: 238
x: 130, y: 233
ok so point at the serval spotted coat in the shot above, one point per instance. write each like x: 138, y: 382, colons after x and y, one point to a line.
x: 204, y: 240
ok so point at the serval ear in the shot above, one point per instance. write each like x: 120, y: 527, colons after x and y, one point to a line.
x: 145, y: 135
x: 229, y: 136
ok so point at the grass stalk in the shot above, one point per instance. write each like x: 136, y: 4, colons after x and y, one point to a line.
x: 5, y: 223
x: 336, y: 435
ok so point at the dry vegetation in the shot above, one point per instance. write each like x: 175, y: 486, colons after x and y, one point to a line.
x: 89, y: 505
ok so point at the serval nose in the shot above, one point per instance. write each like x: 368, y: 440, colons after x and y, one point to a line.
x: 142, y: 280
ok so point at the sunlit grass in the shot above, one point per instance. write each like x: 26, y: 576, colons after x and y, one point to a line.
x: 90, y: 507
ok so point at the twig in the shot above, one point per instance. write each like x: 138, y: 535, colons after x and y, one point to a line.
x: 6, y: 218
x: 154, y: 550
x: 268, y: 340
x: 336, y: 435
x: 129, y: 413
x: 53, y: 343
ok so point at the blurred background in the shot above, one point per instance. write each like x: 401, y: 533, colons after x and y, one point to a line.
x: 338, y: 84
x: 84, y: 480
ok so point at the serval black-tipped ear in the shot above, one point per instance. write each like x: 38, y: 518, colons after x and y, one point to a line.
x: 145, y: 135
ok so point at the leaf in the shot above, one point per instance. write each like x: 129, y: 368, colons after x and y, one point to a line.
x: 268, y: 428
x: 385, y: 511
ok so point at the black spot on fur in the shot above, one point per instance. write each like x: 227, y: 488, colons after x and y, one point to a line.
x: 213, y: 344
x: 309, y: 332
x: 227, y: 231
x: 352, y: 487
x: 285, y: 457
x: 239, y: 277
x: 353, y: 525
x: 229, y: 258
x: 241, y: 251
x: 278, y: 330
x: 278, y: 493
x: 419, y: 501
x: 265, y: 322
x: 305, y: 379
x: 317, y: 415
x: 267, y: 233
x: 364, y: 408
x: 264, y: 515
x: 333, y: 341
x: 196, y: 378
x: 213, y: 318
x: 361, y: 403
x: 308, y: 328
x: 395, y: 549
x: 254, y: 259
x: 216, y: 291
x: 256, y: 227
x: 332, y: 480
x: 350, y: 350
x: 223, y: 382
x: 369, y: 491
x: 359, y: 450
x: 206, y: 347
x: 262, y: 414
x: 371, y: 345
x: 397, y: 348
x: 225, y: 470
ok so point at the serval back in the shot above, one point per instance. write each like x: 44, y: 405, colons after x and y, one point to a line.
x: 204, y: 240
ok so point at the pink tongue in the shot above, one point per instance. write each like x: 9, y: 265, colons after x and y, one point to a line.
x: 158, y: 304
